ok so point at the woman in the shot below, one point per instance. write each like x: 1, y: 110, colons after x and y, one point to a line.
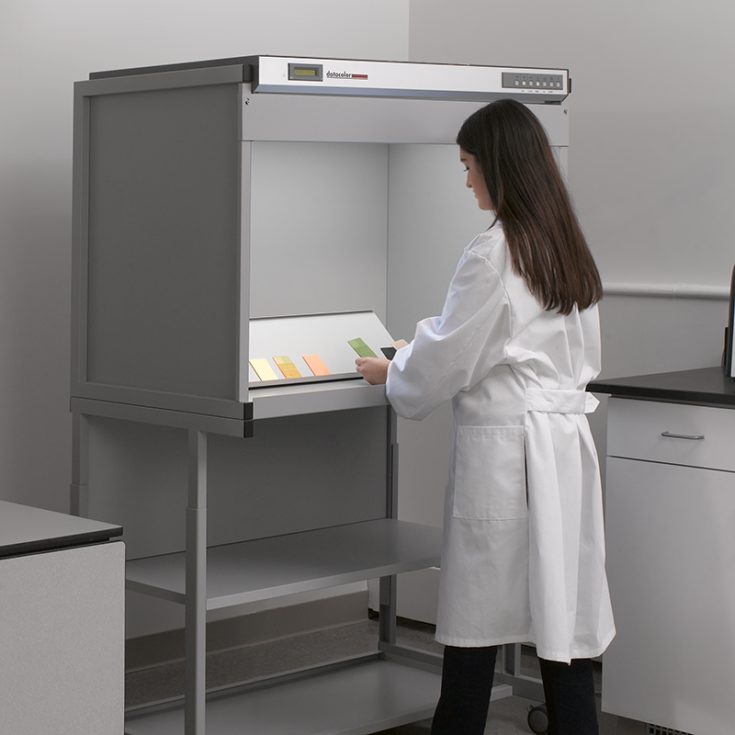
x: 514, y: 348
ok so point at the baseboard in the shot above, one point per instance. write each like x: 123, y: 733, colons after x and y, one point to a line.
x: 257, y: 627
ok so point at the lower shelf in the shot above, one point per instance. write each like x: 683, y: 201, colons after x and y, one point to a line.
x: 360, y: 698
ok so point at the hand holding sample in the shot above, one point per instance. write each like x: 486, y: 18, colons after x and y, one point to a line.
x: 373, y: 369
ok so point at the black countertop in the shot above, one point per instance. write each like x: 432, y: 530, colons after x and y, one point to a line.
x: 708, y: 386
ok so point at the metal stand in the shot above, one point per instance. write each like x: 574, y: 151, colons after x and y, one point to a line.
x: 387, y: 623
x: 523, y: 686
x: 196, y: 586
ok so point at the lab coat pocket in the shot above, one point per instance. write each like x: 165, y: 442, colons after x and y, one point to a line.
x: 490, y: 473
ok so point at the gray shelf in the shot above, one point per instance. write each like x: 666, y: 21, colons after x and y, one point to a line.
x: 283, y: 565
x: 359, y: 698
x: 362, y: 698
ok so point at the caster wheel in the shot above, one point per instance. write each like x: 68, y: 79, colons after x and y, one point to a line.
x: 538, y: 720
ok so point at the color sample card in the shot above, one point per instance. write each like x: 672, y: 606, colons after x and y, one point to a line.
x: 316, y: 364
x: 263, y: 369
x: 359, y: 346
x: 286, y: 366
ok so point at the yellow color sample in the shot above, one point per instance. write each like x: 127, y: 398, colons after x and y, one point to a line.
x: 316, y: 364
x: 286, y: 366
x: 263, y: 369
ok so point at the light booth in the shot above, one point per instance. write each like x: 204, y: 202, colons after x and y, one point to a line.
x: 244, y: 228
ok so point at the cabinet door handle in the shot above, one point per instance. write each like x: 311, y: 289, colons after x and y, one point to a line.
x: 691, y: 437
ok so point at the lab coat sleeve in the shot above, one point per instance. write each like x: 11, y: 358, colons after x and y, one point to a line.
x: 454, y: 351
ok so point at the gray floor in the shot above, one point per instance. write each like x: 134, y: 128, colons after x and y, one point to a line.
x: 507, y: 716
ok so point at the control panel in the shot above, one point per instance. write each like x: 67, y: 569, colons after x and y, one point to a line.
x: 524, y: 80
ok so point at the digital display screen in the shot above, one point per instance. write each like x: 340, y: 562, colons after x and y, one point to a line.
x: 305, y: 72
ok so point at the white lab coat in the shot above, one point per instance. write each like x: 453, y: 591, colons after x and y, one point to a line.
x: 523, y: 556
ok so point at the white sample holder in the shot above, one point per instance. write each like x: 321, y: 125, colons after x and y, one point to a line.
x: 326, y: 335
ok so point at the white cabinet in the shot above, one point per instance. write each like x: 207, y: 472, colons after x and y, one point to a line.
x: 62, y: 626
x: 670, y: 513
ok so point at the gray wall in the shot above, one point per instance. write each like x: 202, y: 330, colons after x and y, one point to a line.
x: 651, y: 160
x: 44, y: 47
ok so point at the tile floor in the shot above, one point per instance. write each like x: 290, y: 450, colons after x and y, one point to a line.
x: 507, y: 716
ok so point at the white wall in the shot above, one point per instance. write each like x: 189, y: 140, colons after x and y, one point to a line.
x: 651, y: 161
x: 44, y: 47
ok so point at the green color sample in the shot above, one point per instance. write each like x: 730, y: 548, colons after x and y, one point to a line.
x: 359, y: 346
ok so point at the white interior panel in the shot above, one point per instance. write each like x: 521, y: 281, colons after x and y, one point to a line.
x: 432, y: 217
x: 318, y: 228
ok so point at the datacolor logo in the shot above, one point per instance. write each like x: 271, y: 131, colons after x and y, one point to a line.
x: 345, y: 75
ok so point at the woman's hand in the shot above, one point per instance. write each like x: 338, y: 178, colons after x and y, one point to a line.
x: 373, y: 369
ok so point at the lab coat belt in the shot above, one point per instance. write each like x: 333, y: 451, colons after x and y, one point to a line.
x: 560, y: 401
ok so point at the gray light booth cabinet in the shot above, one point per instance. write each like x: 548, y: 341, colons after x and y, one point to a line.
x: 212, y: 194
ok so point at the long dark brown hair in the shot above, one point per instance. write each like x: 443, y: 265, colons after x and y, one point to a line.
x: 547, y: 247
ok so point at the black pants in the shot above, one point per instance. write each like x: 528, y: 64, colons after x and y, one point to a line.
x: 467, y: 680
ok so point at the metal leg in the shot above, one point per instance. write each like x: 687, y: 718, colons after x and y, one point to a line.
x: 79, y: 488
x: 391, y: 480
x: 387, y: 625
x: 512, y: 659
x: 523, y: 686
x: 196, y: 585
